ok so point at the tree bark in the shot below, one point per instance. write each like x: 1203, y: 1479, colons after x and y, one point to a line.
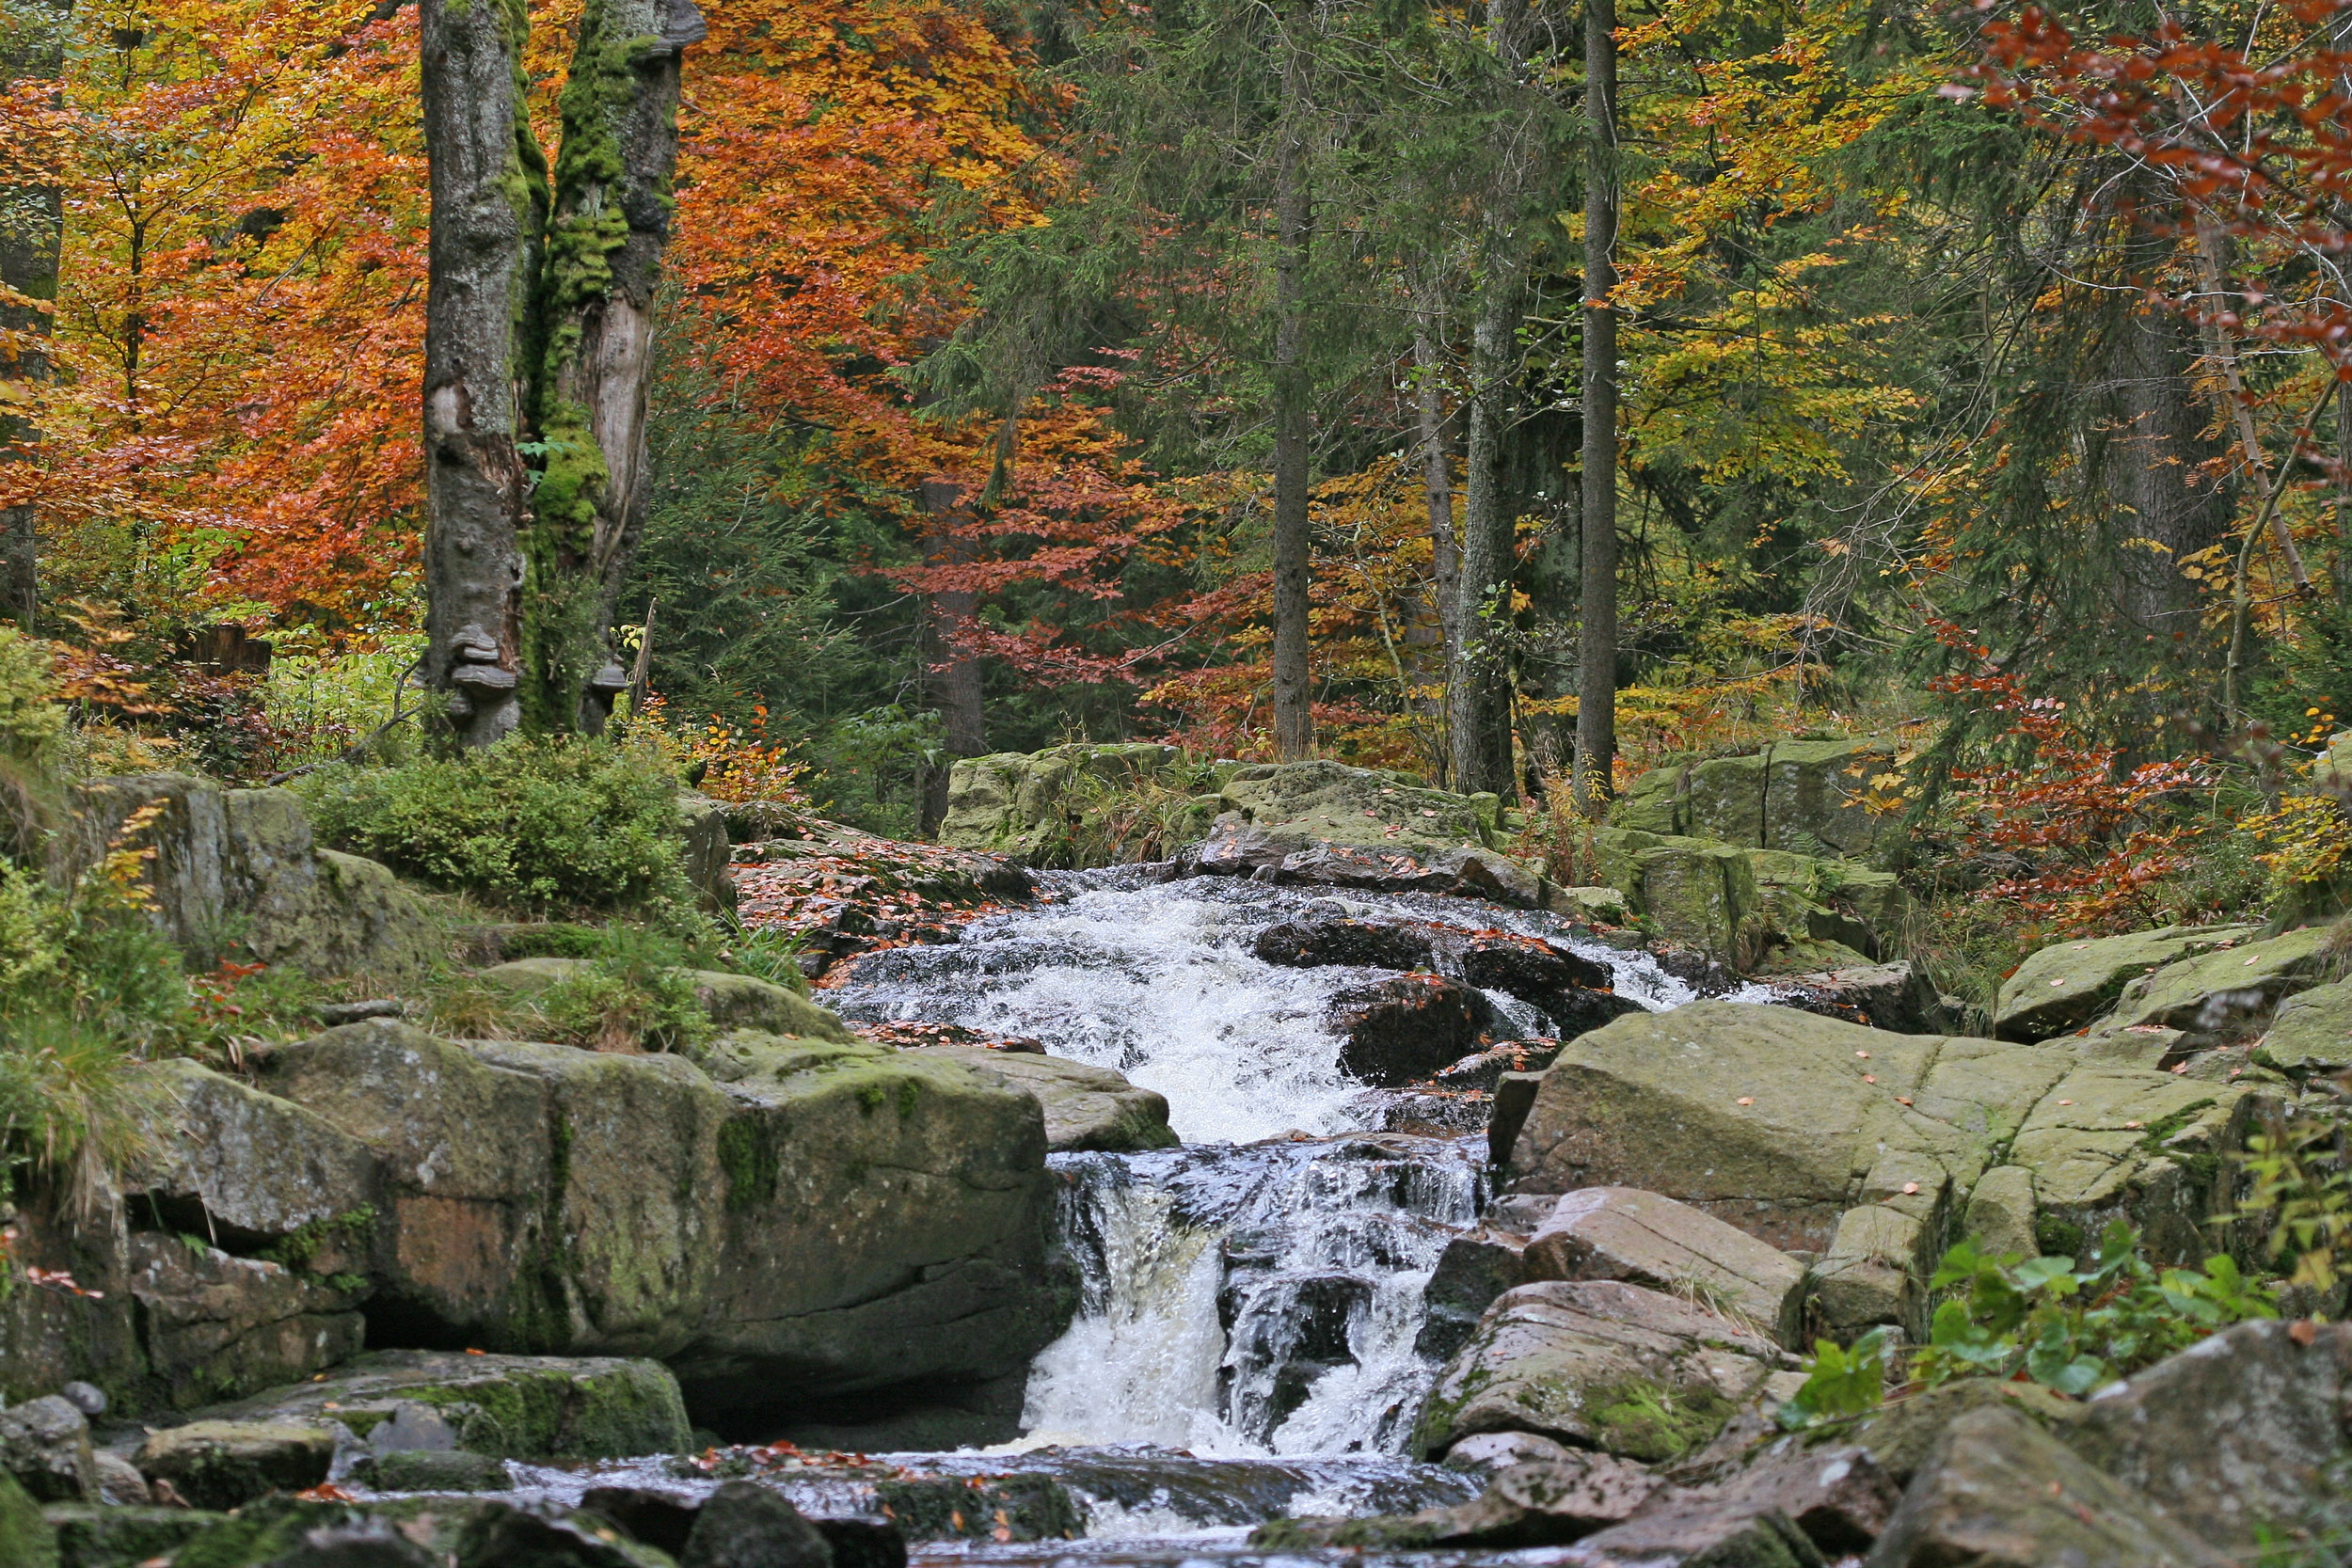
x: 1479, y: 708
x: 1294, y: 718
x: 610, y: 225
x: 953, y: 678
x: 488, y: 185
x: 1597, y: 641
x: 1437, y: 474
x: 538, y: 345
x: 31, y: 227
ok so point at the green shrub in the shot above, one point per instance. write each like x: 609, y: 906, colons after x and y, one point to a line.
x: 543, y: 825
x: 770, y: 952
x: 635, y: 991
x: 72, y: 1098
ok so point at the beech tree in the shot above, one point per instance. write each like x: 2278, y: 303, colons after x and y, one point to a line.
x: 538, y: 353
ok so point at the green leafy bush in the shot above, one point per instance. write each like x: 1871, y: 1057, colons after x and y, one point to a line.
x: 634, y: 990
x: 2069, y: 1329
x: 543, y: 825
x: 2073, y: 1329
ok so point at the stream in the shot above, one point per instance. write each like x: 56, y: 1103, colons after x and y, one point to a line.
x: 1246, y: 1342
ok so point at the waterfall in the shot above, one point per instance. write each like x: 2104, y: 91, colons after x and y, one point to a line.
x: 1257, y: 1293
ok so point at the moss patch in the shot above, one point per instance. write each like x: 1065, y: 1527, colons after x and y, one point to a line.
x: 1653, y: 1423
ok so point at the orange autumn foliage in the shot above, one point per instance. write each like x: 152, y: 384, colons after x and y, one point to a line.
x: 240, y: 309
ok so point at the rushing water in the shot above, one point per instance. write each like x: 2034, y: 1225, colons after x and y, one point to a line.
x: 1258, y: 1292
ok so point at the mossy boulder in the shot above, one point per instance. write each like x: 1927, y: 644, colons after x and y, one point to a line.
x: 1328, y: 802
x: 733, y: 1001
x: 1026, y: 804
x: 794, y: 1220
x: 1807, y: 797
x: 236, y: 872
x: 2066, y: 985
x: 2313, y: 1032
x: 216, y: 1326
x: 502, y: 1407
x: 1088, y: 1108
x: 2225, y: 994
x: 1597, y: 1363
x: 93, y: 1535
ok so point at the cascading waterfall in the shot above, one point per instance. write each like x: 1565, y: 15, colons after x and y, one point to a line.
x: 1258, y: 1291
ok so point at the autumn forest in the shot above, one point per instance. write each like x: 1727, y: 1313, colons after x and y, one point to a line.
x: 1516, y: 395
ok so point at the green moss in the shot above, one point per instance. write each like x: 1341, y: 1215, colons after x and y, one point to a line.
x: 1137, y: 1131
x: 871, y: 1095
x: 1653, y: 1423
x: 749, y: 1160
x: 2168, y: 1126
x: 910, y: 1093
x: 2057, y: 1237
x: 26, y: 1540
x: 296, y: 1248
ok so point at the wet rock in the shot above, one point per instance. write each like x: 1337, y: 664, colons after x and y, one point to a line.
x: 225, y: 1463
x: 94, y: 1536
x: 1550, y: 1502
x: 1528, y: 968
x: 1086, y: 1108
x: 1489, y: 1453
x: 1484, y: 1070
x: 1999, y: 1492
x: 1312, y: 942
x: 1393, y: 1032
x: 88, y: 1397
x: 44, y: 1444
x: 428, y: 1470
x: 863, y: 1540
x: 1622, y: 1233
x: 745, y: 1524
x: 1597, y: 1363
x: 505, y: 1407
x: 950, y: 1508
x: 2065, y: 986
x: 1597, y: 905
x: 1475, y: 1268
x: 1895, y: 997
x: 243, y: 860
x: 2241, y: 1434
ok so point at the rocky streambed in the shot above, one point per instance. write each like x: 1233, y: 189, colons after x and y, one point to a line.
x: 1283, y: 1193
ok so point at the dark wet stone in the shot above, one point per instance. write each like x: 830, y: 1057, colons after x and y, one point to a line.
x: 745, y: 1524
x: 1394, y: 1032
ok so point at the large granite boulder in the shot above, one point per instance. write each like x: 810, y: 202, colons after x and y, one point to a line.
x: 2226, y: 996
x: 1999, y: 1491
x: 219, y: 1463
x: 1808, y: 797
x: 2063, y: 987
x: 1027, y: 805
x: 2241, y: 1435
x: 795, y: 1222
x: 236, y: 871
x: 216, y: 1326
x: 1860, y: 1147
x: 1597, y: 1364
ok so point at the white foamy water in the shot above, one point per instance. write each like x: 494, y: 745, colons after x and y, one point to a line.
x: 1239, y: 1297
x: 1159, y: 983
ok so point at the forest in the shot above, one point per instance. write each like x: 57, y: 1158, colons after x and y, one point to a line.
x: 1512, y: 395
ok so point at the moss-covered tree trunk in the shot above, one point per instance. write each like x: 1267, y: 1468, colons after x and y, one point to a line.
x: 539, y: 353
x: 1597, y: 638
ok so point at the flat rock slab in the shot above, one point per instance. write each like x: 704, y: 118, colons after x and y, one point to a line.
x: 2063, y: 987
x: 1088, y: 1108
x: 536, y: 1407
x: 227, y: 1463
x: 1999, y: 1491
x: 1624, y: 1233
x: 1597, y: 1364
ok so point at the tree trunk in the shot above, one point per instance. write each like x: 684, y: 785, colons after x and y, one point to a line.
x: 488, y: 185
x: 953, y: 678
x: 1597, y: 641
x: 1480, y: 697
x: 611, y: 222
x: 2344, y: 501
x: 538, y: 342
x: 29, y: 236
x: 1437, y: 473
x: 1294, y: 719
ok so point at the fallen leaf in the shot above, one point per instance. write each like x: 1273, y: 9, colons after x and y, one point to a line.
x: 1901, y: 1100
x: 2066, y: 1103
x: 2303, y: 1332
x: 1869, y: 1077
x: 1747, y: 1099
x: 2058, y: 982
x: 1864, y: 1055
x: 1910, y: 1189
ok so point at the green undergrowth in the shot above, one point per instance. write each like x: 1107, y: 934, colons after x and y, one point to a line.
x: 2070, y: 1328
x: 543, y: 827
x: 634, y: 992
